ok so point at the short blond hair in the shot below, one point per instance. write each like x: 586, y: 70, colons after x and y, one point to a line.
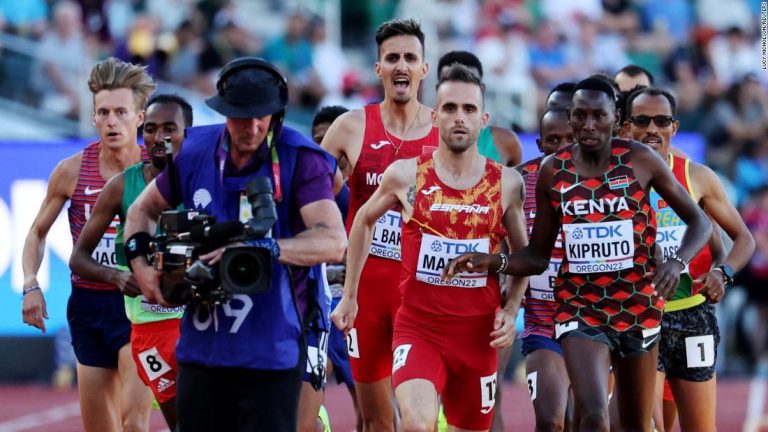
x: 113, y: 74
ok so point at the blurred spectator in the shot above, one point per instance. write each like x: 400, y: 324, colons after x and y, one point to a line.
x: 171, y: 13
x: 328, y: 60
x: 140, y: 45
x: 674, y: 17
x: 723, y: 14
x: 292, y: 53
x: 232, y: 41
x: 494, y: 13
x: 183, y: 66
x: 751, y: 168
x: 738, y: 119
x: 62, y: 54
x: 596, y: 51
x: 563, y: 13
x: 619, y: 16
x: 755, y: 276
x: 351, y: 93
x: 733, y: 55
x: 550, y: 64
x: 27, y: 18
x: 505, y: 58
x: 96, y: 21
x: 690, y: 100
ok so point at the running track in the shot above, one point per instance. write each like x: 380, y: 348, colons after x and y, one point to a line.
x: 38, y: 408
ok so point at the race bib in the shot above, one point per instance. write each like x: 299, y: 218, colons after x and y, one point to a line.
x: 153, y: 363
x: 104, y: 253
x: 435, y: 253
x: 156, y: 308
x: 599, y: 247
x: 542, y: 286
x: 386, y: 236
x: 669, y: 240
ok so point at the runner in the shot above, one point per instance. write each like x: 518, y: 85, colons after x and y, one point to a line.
x: 111, y: 395
x: 598, y: 192
x: 690, y: 334
x: 154, y: 329
x: 546, y: 375
x: 453, y: 199
x: 365, y: 142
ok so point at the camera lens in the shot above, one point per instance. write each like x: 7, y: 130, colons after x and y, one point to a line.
x: 246, y: 270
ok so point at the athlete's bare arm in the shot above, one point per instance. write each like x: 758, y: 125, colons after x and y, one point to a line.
x: 141, y: 216
x: 398, y: 186
x: 715, y: 204
x: 61, y: 186
x: 508, y: 146
x: 533, y: 258
x: 344, y: 141
x: 512, y: 198
x: 81, y: 262
x: 653, y: 172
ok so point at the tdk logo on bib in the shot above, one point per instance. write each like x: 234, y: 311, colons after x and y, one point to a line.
x: 599, y: 247
x: 436, y: 252
x: 386, y: 236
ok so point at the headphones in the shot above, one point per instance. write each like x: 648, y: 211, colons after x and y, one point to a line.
x: 256, y: 63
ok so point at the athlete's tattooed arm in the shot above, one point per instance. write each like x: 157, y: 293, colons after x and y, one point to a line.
x: 411, y: 194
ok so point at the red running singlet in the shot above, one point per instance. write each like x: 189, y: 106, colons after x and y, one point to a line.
x: 446, y: 223
x: 89, y: 185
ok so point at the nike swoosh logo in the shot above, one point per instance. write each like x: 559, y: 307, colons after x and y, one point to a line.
x: 564, y: 190
x: 649, y: 342
x: 380, y: 144
x: 89, y: 191
x: 430, y: 190
x: 650, y: 336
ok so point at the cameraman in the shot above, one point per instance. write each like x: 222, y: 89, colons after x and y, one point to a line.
x: 240, y: 362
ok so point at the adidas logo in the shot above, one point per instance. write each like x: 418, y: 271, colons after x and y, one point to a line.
x: 163, y: 384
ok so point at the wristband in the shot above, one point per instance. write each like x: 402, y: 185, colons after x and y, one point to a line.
x: 26, y: 291
x: 137, y: 245
x: 674, y: 257
x: 504, y: 263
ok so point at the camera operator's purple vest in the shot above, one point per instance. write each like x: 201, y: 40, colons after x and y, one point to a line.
x: 259, y: 331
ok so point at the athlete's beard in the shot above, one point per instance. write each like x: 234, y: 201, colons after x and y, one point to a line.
x: 459, y: 146
x: 159, y: 163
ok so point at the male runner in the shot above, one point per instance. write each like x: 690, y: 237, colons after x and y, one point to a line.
x: 497, y: 143
x: 111, y: 395
x: 689, y: 330
x: 610, y: 291
x: 365, y: 142
x: 547, y: 377
x: 154, y: 329
x: 632, y: 75
x: 560, y: 96
x: 453, y: 200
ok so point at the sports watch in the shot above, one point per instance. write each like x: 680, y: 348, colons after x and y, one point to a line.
x: 727, y: 272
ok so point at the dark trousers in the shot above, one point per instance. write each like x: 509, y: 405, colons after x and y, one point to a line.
x: 237, y: 399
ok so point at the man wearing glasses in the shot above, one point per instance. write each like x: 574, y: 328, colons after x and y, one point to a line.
x: 689, y: 330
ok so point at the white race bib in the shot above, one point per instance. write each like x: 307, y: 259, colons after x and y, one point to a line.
x: 599, y: 247
x: 104, y: 253
x: 386, y: 236
x: 669, y: 240
x: 542, y: 286
x: 436, y: 252
x: 156, y: 308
